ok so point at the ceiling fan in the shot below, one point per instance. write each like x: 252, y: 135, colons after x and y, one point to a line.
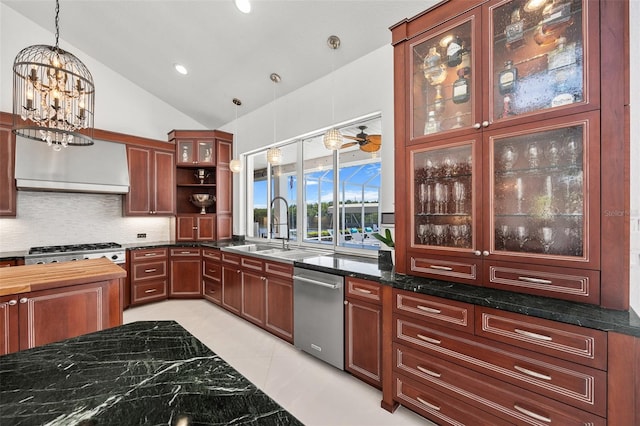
x: 367, y: 143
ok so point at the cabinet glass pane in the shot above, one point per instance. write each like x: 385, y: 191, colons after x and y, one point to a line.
x: 442, y: 201
x: 205, y: 152
x: 442, y: 81
x: 537, y: 56
x: 185, y: 152
x: 538, y: 193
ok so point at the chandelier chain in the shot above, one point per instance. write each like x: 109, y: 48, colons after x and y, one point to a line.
x: 57, y: 23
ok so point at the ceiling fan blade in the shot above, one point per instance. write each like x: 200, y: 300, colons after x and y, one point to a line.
x: 370, y: 147
x: 353, y: 138
x: 375, y: 139
x: 348, y: 144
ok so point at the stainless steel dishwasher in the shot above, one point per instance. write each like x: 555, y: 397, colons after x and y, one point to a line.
x: 318, y: 315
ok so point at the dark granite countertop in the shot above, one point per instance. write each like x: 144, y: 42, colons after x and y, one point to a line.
x: 581, y: 314
x: 143, y: 373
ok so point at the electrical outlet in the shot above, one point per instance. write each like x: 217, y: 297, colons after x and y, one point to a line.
x: 143, y: 235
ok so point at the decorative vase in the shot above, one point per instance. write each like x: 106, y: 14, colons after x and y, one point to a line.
x: 386, y: 259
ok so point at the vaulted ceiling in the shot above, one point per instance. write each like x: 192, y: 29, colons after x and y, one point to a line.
x: 228, y: 54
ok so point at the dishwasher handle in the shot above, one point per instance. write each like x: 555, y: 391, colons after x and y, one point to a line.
x: 315, y: 282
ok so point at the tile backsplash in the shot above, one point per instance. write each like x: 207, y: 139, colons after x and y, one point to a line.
x: 55, y: 218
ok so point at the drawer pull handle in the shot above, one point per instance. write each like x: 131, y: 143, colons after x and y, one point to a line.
x: 533, y: 335
x: 532, y: 414
x: 422, y: 401
x: 213, y: 271
x: 440, y: 268
x: 429, y: 339
x: 362, y: 290
x: 149, y: 254
x: 427, y: 371
x: 532, y: 373
x: 151, y: 290
x: 535, y: 280
x: 185, y: 252
x: 428, y: 309
x: 150, y: 270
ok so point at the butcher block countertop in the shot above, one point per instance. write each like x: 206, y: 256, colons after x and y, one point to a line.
x: 23, y: 279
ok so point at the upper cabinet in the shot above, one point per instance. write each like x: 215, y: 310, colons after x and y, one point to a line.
x: 152, y: 182
x: 7, y: 167
x: 203, y: 184
x: 498, y: 147
x: 500, y: 64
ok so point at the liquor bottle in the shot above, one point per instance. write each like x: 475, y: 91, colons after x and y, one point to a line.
x: 461, y: 90
x: 432, y: 125
x: 434, y: 70
x: 563, y: 56
x: 454, y: 52
x: 438, y: 102
x: 514, y: 32
x: 556, y: 17
x: 506, y: 107
x: 507, y: 78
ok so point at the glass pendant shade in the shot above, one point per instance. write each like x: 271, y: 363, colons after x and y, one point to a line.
x: 53, y: 97
x: 332, y: 139
x: 235, y: 165
x: 274, y: 156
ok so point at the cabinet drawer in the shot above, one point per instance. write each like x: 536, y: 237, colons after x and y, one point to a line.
x: 212, y: 270
x: 231, y: 258
x: 280, y: 269
x: 149, y: 270
x: 578, y: 285
x: 578, y: 344
x: 213, y: 291
x: 251, y: 263
x: 138, y: 255
x: 501, y: 399
x: 574, y: 384
x: 367, y: 291
x: 441, y: 311
x: 146, y: 292
x: 463, y: 270
x: 212, y: 254
x: 185, y: 251
x: 440, y: 407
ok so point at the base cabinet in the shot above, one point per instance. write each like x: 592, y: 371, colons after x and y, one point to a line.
x: 520, y: 369
x: 363, y: 330
x: 231, y: 283
x: 186, y: 273
x: 40, y: 317
x: 149, y: 273
x: 279, y: 300
x: 212, y: 275
x: 196, y: 227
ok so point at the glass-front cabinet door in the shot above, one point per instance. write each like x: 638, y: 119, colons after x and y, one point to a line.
x: 540, y: 53
x: 543, y: 193
x: 444, y: 68
x: 195, y: 153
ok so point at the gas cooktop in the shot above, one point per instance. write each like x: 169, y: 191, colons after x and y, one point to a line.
x: 73, y: 248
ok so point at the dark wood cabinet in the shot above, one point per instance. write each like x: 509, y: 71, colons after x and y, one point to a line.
x: 185, y: 280
x: 231, y: 283
x: 279, y: 300
x: 504, y: 183
x: 212, y: 275
x: 253, y: 290
x: 152, y: 182
x: 149, y: 274
x: 195, y: 227
x: 7, y: 167
x: 202, y: 160
x: 363, y: 330
x: 40, y: 317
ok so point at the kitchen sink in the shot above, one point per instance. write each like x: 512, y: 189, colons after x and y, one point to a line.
x: 272, y: 253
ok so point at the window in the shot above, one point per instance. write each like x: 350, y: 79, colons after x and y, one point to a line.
x: 339, y: 196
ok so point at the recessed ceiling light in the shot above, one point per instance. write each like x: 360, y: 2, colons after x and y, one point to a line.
x: 243, y: 6
x: 181, y: 69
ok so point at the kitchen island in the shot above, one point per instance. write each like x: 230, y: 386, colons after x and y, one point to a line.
x: 138, y: 373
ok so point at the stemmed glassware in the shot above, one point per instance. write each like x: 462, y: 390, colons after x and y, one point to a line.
x: 423, y: 231
x: 533, y: 155
x: 508, y: 157
x: 425, y: 197
x: 522, y: 236
x: 547, y: 238
x: 441, y: 198
x: 459, y: 195
x: 440, y: 232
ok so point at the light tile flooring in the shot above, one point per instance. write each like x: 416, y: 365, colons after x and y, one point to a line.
x: 315, y: 392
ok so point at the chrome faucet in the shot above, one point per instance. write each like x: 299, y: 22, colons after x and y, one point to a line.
x: 274, y: 221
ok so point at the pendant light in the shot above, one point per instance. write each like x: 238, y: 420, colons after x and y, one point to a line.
x: 333, y: 138
x: 236, y: 165
x: 274, y: 154
x: 53, y: 95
